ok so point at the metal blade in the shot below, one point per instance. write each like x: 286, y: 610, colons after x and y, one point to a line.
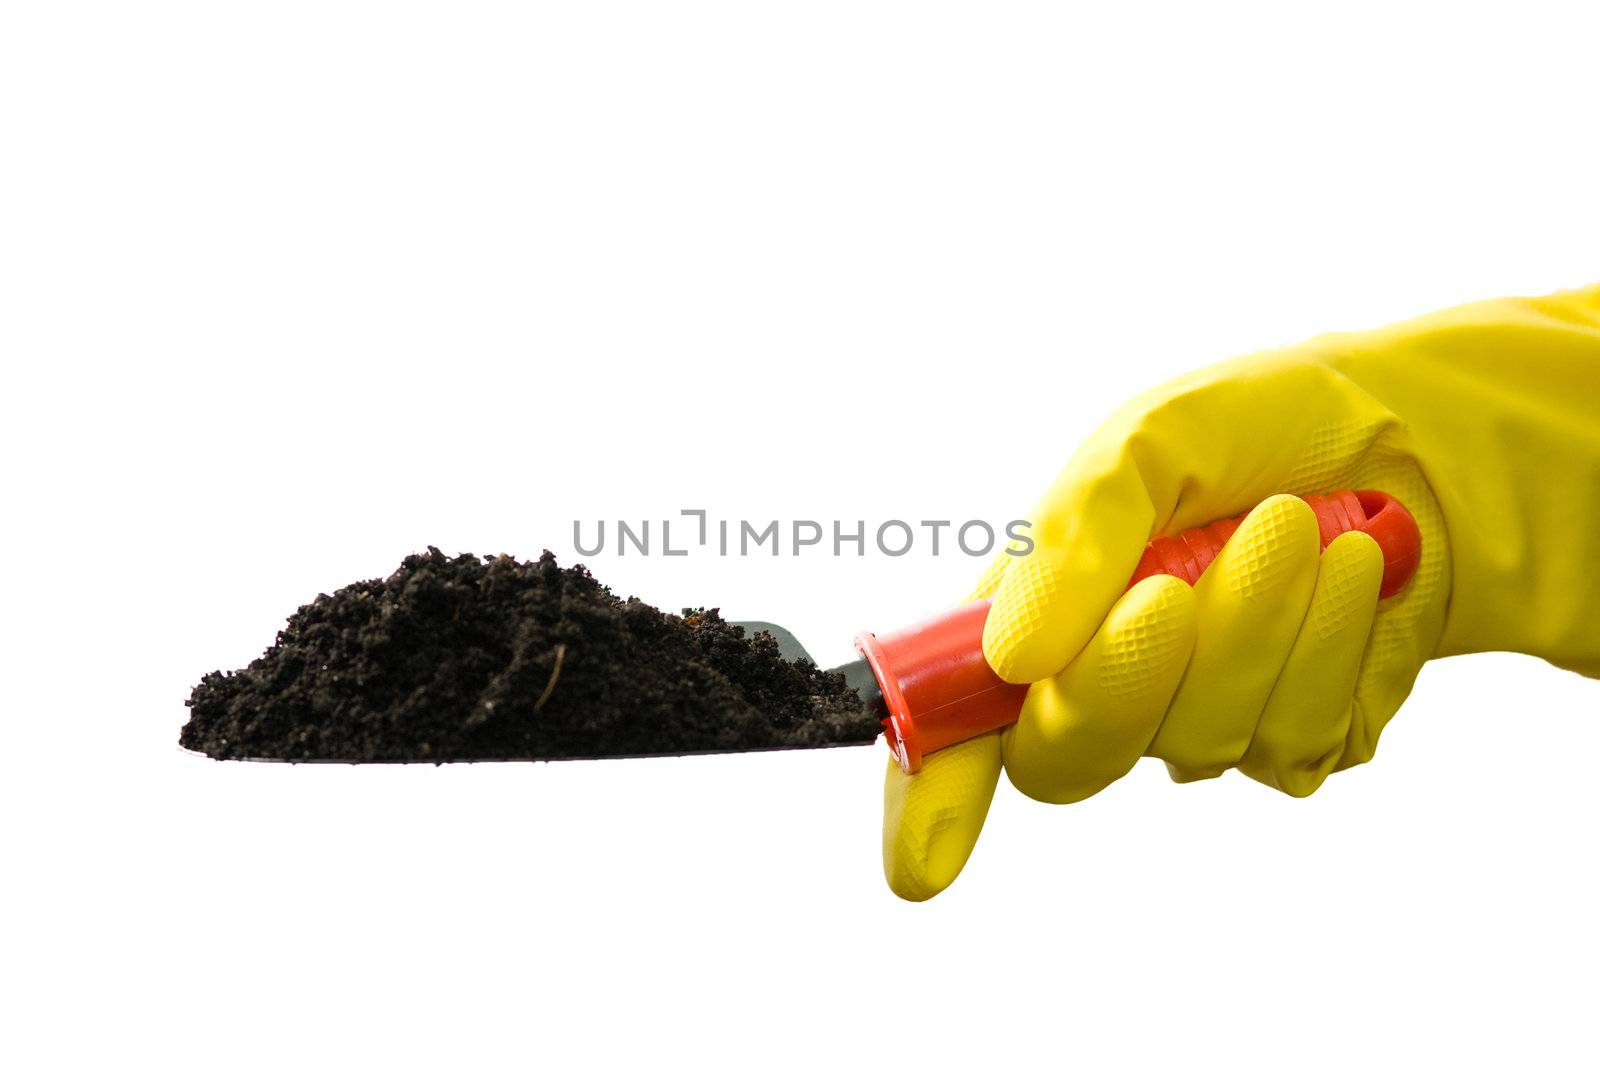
x: 789, y: 646
x: 857, y: 673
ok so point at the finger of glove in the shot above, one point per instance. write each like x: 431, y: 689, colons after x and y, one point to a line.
x: 1302, y: 730
x: 1087, y: 726
x: 1250, y: 604
x: 1202, y: 447
x: 989, y: 580
x: 1406, y: 630
x: 1087, y: 535
x: 931, y: 819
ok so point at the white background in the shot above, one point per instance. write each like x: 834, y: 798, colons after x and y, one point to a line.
x: 290, y: 290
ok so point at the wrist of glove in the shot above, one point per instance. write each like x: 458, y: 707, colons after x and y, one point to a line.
x: 1281, y: 661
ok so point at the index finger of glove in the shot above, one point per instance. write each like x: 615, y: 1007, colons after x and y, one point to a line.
x: 1204, y: 447
x: 1087, y: 726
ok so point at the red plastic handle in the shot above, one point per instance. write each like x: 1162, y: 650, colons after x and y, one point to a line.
x: 1379, y: 515
x: 939, y: 690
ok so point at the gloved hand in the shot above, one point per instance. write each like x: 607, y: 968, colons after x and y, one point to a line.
x: 1483, y: 420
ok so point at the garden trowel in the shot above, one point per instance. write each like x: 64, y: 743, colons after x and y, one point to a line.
x: 933, y: 688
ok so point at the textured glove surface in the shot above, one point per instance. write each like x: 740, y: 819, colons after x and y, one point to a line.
x: 1281, y: 661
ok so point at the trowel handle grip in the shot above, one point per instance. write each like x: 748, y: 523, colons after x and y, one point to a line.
x: 938, y: 689
x: 1380, y: 516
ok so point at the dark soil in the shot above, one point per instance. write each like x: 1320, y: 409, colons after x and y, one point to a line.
x: 468, y: 659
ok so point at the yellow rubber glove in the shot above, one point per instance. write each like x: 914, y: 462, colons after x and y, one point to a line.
x: 1483, y: 420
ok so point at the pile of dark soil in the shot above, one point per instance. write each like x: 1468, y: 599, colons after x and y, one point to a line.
x: 468, y: 659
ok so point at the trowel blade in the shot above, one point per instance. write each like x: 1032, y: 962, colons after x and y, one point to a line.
x: 857, y: 675
x: 856, y: 672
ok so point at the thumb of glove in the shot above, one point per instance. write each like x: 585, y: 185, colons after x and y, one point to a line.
x: 931, y: 819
